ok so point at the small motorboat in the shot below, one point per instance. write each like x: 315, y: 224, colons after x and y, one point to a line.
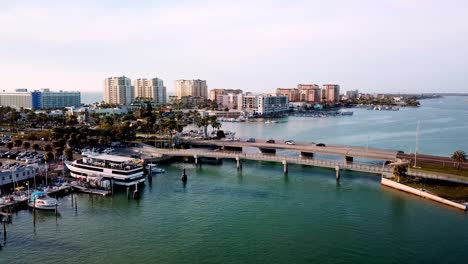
x: 155, y: 169
x: 40, y: 200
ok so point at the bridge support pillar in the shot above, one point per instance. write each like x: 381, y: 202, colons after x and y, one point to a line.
x: 307, y: 154
x: 337, y: 170
x: 239, y: 163
x: 348, y: 159
x: 285, y: 167
x: 196, y: 159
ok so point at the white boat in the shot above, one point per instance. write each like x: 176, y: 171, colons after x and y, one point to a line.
x: 155, y: 169
x: 40, y: 200
x: 123, y: 171
x: 343, y: 112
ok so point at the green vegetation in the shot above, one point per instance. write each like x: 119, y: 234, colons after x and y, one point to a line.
x: 447, y: 170
x: 459, y: 157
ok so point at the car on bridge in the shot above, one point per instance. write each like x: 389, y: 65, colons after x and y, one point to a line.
x: 250, y: 140
x: 320, y: 145
x: 290, y: 142
x: 271, y: 141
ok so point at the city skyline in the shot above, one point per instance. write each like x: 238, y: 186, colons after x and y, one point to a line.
x: 386, y: 47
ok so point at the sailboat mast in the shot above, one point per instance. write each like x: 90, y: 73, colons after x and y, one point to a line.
x: 417, y: 145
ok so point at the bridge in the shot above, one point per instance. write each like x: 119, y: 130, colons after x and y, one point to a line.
x: 305, y: 149
x: 197, y: 154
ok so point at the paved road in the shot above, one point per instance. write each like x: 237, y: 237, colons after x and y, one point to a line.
x: 358, y: 152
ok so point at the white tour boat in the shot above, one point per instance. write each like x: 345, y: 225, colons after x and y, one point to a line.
x: 40, y: 200
x: 122, y: 171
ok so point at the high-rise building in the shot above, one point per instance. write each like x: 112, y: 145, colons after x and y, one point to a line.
x: 353, y: 94
x: 44, y: 99
x: 214, y: 93
x: 264, y: 104
x: 331, y: 93
x: 57, y: 100
x: 118, y: 90
x: 195, y: 88
x: 151, y: 89
x: 309, y: 93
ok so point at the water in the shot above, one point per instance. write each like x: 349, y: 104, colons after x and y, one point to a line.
x: 259, y: 215
x: 90, y: 98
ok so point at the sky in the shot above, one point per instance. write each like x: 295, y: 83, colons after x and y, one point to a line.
x: 411, y: 46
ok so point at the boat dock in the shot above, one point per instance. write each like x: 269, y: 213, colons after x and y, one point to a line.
x: 91, y: 191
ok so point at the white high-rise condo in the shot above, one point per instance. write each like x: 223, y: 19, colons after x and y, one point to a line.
x: 150, y: 89
x: 118, y: 90
x: 195, y: 88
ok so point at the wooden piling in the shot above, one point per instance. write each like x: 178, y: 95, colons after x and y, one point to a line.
x: 128, y: 194
x: 4, y: 231
x: 337, y: 169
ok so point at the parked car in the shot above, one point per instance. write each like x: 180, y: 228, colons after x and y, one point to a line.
x: 320, y: 145
x: 271, y: 141
x: 251, y: 140
x: 290, y: 142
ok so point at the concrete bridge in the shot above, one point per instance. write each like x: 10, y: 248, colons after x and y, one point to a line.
x: 305, y: 149
x: 197, y: 154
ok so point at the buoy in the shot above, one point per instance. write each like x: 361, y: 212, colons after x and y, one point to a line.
x: 184, y: 177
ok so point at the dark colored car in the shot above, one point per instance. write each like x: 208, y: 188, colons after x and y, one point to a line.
x: 271, y: 141
x: 251, y: 140
x: 320, y: 145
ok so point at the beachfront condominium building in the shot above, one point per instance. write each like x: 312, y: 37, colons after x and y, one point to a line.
x: 214, y: 93
x: 309, y: 93
x: 20, y: 98
x: 194, y: 88
x: 331, y: 93
x: 353, y: 94
x: 44, y: 99
x: 150, y: 89
x: 118, y: 90
x: 60, y: 99
x: 264, y: 104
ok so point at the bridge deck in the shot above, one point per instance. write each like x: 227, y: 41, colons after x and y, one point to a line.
x: 358, y: 152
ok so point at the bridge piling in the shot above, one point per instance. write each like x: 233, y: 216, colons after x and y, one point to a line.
x: 239, y: 163
x: 337, y: 169
x: 285, y: 167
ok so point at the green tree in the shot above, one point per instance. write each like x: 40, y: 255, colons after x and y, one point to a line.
x: 26, y: 145
x: 9, y: 146
x: 48, y: 148
x: 68, y: 153
x: 18, y: 143
x: 35, y: 146
x: 399, y: 171
x: 459, y: 157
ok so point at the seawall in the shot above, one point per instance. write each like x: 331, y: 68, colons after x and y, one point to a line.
x: 420, y: 193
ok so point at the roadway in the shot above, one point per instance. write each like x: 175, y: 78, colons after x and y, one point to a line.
x: 344, y: 151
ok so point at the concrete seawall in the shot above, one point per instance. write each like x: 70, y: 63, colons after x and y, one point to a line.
x: 420, y: 193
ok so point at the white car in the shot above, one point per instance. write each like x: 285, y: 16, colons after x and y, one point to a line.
x: 290, y: 142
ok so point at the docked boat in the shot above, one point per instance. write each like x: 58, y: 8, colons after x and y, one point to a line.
x: 155, y: 169
x: 40, y: 200
x: 122, y: 171
x: 346, y: 112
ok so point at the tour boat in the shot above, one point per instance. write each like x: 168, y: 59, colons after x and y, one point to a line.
x: 40, y: 200
x: 120, y: 170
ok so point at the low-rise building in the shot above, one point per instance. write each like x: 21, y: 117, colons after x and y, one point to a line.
x: 263, y: 105
x: 43, y: 99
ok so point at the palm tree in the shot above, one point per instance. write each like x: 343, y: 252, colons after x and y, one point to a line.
x: 398, y: 171
x: 26, y: 145
x: 35, y: 146
x: 18, y: 143
x: 459, y: 157
x: 9, y: 146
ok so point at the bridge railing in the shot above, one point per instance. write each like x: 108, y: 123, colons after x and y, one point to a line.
x: 273, y: 158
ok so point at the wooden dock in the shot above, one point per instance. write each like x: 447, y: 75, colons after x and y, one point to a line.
x: 90, y: 191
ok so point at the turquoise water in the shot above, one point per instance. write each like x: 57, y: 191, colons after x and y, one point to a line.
x: 259, y: 215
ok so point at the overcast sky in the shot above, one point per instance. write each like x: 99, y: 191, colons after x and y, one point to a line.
x: 254, y: 45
